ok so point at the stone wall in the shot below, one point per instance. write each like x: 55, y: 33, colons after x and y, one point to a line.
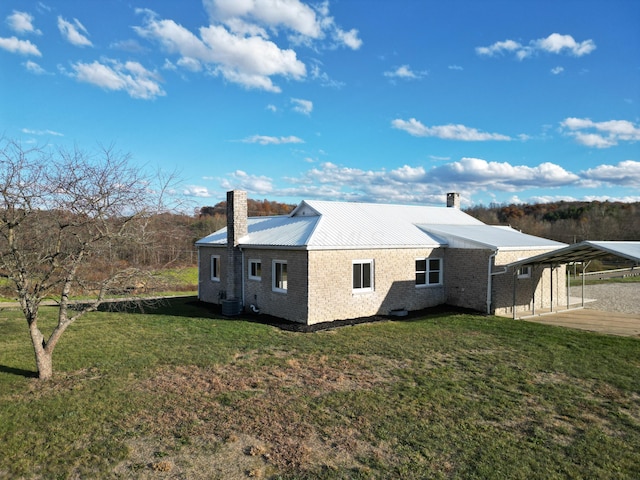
x: 545, y: 289
x: 320, y: 283
x: 209, y: 290
x: 331, y: 295
x: 290, y: 305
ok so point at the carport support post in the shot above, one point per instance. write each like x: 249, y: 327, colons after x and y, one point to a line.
x: 551, y: 293
x: 568, y: 286
x: 533, y: 294
x: 515, y: 283
x: 584, y: 269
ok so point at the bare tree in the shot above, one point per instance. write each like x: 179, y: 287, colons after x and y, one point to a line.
x: 67, y: 221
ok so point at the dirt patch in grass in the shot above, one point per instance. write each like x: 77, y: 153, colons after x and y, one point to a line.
x: 260, y: 411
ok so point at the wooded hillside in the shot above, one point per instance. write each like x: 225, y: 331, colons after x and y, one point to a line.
x: 567, y: 222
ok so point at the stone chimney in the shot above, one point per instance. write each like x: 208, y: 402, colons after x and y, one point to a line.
x: 236, y: 229
x: 453, y: 200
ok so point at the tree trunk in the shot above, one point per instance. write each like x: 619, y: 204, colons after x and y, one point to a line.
x: 44, y: 360
x: 44, y: 363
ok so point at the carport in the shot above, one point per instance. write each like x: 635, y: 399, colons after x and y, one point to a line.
x: 579, y: 253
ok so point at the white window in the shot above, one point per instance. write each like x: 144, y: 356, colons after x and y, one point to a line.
x: 524, y: 272
x: 279, y: 276
x: 255, y: 270
x: 215, y: 268
x: 363, y: 275
x: 428, y: 271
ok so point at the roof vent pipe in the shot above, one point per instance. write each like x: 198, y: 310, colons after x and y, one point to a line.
x: 453, y: 200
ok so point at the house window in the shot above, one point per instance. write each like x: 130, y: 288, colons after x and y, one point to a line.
x: 363, y: 275
x: 428, y: 271
x: 280, y: 276
x: 524, y: 272
x: 255, y: 270
x: 215, y: 268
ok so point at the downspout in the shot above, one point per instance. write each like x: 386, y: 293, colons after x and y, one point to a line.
x: 490, y: 280
x: 242, y: 278
x: 199, y: 281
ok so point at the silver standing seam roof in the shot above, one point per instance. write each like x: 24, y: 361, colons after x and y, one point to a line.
x: 317, y: 225
x: 585, y: 251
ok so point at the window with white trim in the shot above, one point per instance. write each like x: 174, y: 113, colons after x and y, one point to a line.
x: 255, y: 270
x: 215, y: 268
x: 279, y: 276
x: 362, y: 276
x: 524, y: 272
x: 428, y: 271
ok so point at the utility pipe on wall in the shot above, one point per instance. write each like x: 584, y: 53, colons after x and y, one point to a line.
x: 490, y: 280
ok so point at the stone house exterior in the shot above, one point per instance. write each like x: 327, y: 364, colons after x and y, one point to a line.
x: 330, y: 261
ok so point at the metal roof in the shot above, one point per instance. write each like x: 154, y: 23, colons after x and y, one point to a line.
x: 584, y: 251
x: 369, y: 225
x: 277, y: 231
x: 317, y: 225
x: 490, y: 236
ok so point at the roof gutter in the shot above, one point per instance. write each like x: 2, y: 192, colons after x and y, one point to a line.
x: 492, y: 258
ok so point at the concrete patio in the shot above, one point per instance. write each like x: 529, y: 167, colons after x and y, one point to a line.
x: 611, y: 323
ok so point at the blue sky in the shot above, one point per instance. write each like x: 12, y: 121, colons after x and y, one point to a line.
x: 367, y: 100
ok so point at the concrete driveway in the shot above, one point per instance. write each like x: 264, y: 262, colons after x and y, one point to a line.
x: 611, y: 323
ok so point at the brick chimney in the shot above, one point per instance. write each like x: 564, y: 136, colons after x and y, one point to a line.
x: 453, y: 200
x: 236, y: 229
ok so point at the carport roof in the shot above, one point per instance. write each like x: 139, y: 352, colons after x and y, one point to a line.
x: 585, y: 251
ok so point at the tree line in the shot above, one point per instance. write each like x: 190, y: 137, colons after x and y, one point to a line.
x: 568, y: 222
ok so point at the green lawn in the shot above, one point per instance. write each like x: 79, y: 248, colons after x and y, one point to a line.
x: 180, y: 393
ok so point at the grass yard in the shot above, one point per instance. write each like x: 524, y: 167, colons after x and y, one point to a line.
x: 180, y: 393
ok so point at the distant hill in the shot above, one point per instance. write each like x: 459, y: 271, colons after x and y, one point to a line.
x: 256, y: 208
x: 567, y: 222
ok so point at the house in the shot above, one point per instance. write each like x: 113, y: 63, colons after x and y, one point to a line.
x: 329, y: 261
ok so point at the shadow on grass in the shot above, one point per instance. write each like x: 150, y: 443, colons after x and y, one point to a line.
x: 18, y: 372
x: 191, y: 307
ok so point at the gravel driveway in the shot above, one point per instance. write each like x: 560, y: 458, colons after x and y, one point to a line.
x: 611, y: 297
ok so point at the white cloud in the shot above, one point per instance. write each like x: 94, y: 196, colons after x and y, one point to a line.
x: 272, y: 108
x: 237, y: 44
x: 350, y: 38
x: 23, y: 47
x: 302, y: 106
x: 190, y: 64
x: 601, y: 134
x: 557, y: 70
x: 74, y: 33
x: 22, y: 22
x: 197, y: 191
x: 455, y: 67
x: 323, y: 77
x: 405, y: 72
x: 626, y: 173
x: 130, y: 77
x: 258, y: 17
x: 42, y: 132
x: 499, y: 48
x: 408, y: 174
x: 501, y: 175
x: 267, y: 140
x: 291, y: 14
x: 447, y: 132
x: 34, y: 68
x: 554, y: 43
x: 417, y: 184
x: 248, y: 61
x: 251, y: 183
